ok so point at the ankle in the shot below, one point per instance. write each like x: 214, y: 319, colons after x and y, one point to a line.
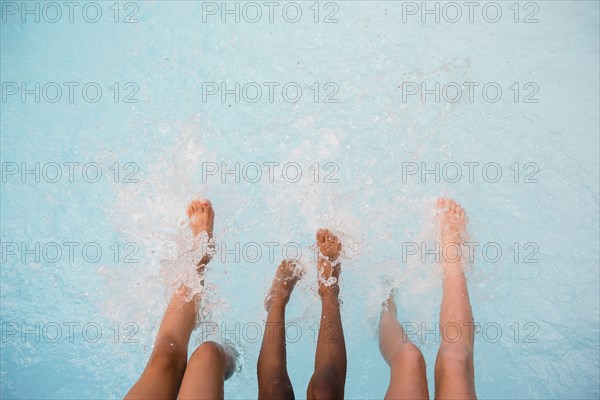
x: 329, y: 293
x: 276, y: 302
x: 279, y: 301
x: 454, y: 269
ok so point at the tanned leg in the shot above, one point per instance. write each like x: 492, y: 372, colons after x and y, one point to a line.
x: 273, y: 379
x: 408, y: 378
x: 164, y: 371
x: 329, y: 378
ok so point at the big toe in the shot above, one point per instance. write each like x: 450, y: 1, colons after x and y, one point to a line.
x: 329, y: 244
x: 447, y: 203
x: 205, y: 204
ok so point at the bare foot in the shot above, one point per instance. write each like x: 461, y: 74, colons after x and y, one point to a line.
x: 389, y: 306
x: 328, y: 265
x: 453, y: 232
x: 202, y: 219
x: 286, y: 276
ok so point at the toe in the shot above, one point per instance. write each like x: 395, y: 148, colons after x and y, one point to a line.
x: 441, y: 202
x: 321, y: 236
x: 452, y: 206
x: 455, y: 209
x: 204, y: 205
x: 332, y: 239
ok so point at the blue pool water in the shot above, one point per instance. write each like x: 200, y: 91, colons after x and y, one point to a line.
x: 80, y: 326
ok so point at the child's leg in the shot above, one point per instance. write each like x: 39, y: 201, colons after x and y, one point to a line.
x: 408, y: 378
x: 164, y: 371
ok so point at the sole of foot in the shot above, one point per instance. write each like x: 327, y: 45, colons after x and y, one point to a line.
x: 202, y: 220
x: 453, y: 232
x: 286, y: 276
x: 328, y: 265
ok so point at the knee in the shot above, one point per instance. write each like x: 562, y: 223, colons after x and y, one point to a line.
x: 208, y: 352
x: 454, y: 357
x: 408, y: 355
x: 327, y: 385
x: 168, y: 355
